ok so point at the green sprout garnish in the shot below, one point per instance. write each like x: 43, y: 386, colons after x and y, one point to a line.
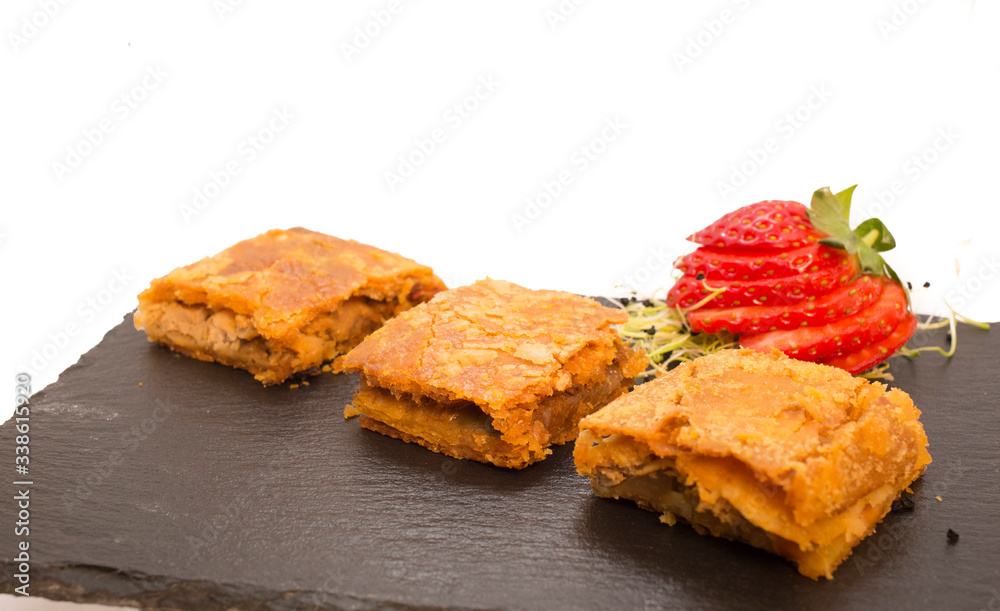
x: 952, y: 323
x: 663, y: 333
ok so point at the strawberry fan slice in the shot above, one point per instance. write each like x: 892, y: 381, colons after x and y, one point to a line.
x: 797, y: 279
x: 835, y: 305
x: 768, y: 224
x: 872, y: 324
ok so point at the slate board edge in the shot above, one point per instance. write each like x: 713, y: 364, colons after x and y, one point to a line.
x: 104, y: 586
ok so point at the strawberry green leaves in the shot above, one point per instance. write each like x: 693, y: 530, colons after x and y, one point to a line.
x: 830, y: 213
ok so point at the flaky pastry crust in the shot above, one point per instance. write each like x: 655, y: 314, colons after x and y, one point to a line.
x: 282, y: 296
x: 807, y: 453
x: 505, y: 349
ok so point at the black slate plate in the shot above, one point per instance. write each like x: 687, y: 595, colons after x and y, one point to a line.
x: 200, y: 489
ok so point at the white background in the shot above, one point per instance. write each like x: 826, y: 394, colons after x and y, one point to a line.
x: 773, y: 99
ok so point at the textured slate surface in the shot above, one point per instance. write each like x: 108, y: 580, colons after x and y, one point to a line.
x: 200, y: 489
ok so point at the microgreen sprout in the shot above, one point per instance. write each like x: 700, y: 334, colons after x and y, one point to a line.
x: 672, y: 341
x: 952, y: 323
x: 664, y: 334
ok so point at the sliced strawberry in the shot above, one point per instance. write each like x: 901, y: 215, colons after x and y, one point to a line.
x: 688, y: 290
x: 835, y: 305
x: 755, y: 264
x: 865, y: 358
x: 846, y: 335
x: 767, y: 224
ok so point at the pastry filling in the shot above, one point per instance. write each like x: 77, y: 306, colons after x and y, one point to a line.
x: 462, y: 429
x: 223, y: 336
x: 729, y: 502
x: 661, y: 490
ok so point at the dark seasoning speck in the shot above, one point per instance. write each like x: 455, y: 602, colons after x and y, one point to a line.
x: 952, y: 536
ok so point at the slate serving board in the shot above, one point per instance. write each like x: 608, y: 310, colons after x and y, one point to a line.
x: 200, y: 489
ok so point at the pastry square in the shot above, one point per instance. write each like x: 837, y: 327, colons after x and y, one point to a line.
x: 281, y: 303
x: 799, y: 459
x: 492, y: 371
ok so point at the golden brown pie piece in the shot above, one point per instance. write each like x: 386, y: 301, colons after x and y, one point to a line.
x: 281, y: 303
x: 799, y: 459
x: 492, y: 371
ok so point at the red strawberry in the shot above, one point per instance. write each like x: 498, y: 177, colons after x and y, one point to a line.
x: 752, y: 264
x: 785, y: 290
x: 835, y: 305
x: 876, y: 352
x: 768, y: 224
x: 872, y: 324
x: 762, y: 273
